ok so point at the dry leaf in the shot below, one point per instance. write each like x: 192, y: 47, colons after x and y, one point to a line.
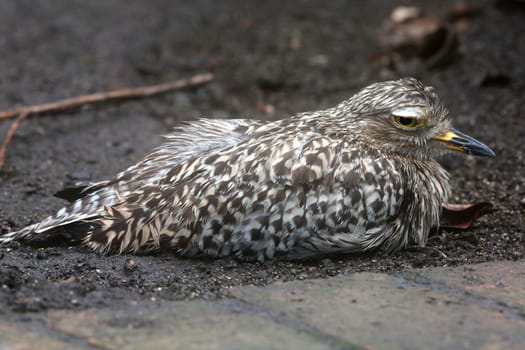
x: 409, y: 34
x: 463, y: 216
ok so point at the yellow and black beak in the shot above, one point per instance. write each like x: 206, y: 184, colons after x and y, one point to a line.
x: 458, y: 141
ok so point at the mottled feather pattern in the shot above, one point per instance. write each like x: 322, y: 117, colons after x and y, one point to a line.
x: 187, y: 141
x: 338, y: 180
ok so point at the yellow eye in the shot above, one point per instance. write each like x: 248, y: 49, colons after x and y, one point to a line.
x: 406, y: 122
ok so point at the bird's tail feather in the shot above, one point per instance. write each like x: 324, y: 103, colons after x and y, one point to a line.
x: 67, y: 234
x: 17, y: 235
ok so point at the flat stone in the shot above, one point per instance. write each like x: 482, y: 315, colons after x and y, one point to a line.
x: 15, y: 336
x: 383, y: 311
x: 469, y: 307
x: 503, y: 282
x: 181, y: 325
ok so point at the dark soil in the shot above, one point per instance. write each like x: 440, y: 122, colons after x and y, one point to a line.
x: 292, y: 55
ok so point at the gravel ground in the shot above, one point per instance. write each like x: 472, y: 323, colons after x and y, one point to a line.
x: 278, y: 56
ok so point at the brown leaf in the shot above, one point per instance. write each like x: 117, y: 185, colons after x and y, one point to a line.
x: 409, y: 34
x: 462, y: 216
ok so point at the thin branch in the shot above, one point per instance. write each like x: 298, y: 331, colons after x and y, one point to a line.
x: 126, y: 93
x: 75, y: 102
x: 9, y: 135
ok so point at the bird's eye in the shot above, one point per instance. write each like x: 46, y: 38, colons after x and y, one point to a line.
x: 405, y: 122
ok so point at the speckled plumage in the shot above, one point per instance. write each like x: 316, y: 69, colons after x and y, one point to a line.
x: 344, y: 179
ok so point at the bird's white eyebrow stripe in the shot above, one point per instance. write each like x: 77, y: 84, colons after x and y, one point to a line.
x: 410, y: 112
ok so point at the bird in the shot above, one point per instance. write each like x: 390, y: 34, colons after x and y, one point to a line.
x: 356, y: 177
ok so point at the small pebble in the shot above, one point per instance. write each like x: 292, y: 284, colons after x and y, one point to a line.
x: 130, y: 266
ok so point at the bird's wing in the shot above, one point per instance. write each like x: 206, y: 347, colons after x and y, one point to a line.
x: 347, y: 194
x: 88, y: 201
x: 186, y: 141
x: 260, y: 197
x: 362, y: 209
x: 217, y: 185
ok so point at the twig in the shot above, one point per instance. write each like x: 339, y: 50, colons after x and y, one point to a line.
x: 75, y: 102
x: 78, y: 101
x: 9, y: 135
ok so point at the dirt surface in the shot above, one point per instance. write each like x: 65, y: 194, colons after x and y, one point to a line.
x: 290, y: 55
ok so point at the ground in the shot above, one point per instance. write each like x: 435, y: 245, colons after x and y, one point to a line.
x: 270, y: 59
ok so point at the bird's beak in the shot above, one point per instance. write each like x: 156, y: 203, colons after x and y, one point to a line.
x: 458, y: 141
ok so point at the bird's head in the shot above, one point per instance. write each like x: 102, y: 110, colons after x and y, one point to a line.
x: 405, y: 117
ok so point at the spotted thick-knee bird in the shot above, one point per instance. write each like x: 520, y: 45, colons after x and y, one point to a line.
x: 356, y: 177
